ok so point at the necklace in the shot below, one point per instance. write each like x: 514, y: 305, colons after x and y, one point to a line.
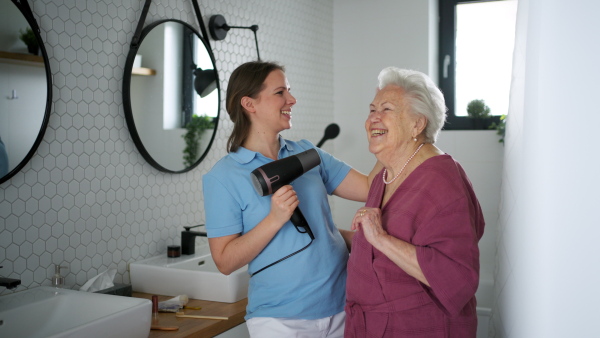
x: 401, y: 170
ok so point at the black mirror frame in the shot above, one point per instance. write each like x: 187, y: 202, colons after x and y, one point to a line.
x: 127, y: 98
x: 23, y: 6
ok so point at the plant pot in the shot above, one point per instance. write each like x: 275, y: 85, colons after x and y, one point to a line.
x: 33, y: 49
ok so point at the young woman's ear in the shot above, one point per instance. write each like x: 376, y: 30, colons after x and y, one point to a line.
x: 248, y: 104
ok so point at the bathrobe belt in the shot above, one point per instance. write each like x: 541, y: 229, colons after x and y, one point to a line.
x: 355, y: 312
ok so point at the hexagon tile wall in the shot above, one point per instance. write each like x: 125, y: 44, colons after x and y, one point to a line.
x: 88, y: 200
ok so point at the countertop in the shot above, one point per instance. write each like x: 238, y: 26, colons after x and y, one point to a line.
x: 193, y: 327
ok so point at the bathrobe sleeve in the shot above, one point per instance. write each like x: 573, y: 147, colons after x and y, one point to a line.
x: 447, y: 240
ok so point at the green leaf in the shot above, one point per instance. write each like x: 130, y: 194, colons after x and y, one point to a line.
x: 500, y: 127
x: 195, y: 128
x: 27, y: 36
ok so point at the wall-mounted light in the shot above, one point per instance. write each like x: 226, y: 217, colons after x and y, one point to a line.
x: 218, y: 28
x: 205, y: 82
x: 205, y: 79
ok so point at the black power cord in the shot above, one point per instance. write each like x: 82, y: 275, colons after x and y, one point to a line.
x: 299, y: 224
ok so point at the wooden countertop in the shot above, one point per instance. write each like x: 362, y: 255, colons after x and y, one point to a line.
x: 193, y: 327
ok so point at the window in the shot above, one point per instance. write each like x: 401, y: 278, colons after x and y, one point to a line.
x: 475, y: 60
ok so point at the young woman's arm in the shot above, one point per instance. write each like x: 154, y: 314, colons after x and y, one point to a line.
x: 234, y: 251
x: 356, y: 185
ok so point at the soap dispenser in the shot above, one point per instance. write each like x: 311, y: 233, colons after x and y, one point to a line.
x: 58, y: 280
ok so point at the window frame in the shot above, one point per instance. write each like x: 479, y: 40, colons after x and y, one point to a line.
x: 447, y: 74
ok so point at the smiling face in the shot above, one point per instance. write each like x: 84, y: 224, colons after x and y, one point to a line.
x: 390, y: 126
x: 272, y: 109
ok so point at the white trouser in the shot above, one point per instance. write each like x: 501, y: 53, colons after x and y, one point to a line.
x: 268, y: 327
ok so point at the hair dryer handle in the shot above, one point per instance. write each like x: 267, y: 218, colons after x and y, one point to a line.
x: 300, y: 223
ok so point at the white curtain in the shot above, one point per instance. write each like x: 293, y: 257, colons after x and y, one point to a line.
x: 547, y: 282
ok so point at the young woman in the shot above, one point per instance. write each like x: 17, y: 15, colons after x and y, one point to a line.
x: 303, y: 294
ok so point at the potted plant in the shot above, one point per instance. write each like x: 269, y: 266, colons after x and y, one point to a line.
x: 195, y: 128
x: 479, y: 112
x: 30, y: 40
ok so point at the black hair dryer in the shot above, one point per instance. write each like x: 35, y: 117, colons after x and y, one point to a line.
x: 268, y: 178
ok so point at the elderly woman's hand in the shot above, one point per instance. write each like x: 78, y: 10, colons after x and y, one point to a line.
x: 369, y: 221
x: 402, y: 253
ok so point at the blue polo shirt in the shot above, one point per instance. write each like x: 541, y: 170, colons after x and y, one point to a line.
x: 308, y: 285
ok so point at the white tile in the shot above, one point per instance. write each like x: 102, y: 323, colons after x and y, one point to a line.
x: 25, y: 250
x: 40, y: 274
x: 18, y: 207
x: 20, y: 264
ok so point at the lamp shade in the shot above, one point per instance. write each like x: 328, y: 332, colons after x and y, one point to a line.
x: 205, y: 82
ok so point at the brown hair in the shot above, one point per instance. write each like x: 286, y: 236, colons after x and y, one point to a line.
x: 246, y: 80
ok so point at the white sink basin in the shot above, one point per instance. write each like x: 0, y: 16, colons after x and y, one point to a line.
x: 195, y: 275
x: 50, y: 312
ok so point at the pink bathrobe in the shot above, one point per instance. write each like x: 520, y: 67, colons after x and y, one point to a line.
x: 436, y: 210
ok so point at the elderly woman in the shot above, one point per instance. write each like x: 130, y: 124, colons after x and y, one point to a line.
x: 414, y: 266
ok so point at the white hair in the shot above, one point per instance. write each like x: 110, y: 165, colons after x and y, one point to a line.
x: 422, y: 95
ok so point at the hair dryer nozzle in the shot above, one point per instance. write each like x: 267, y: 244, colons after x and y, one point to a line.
x: 270, y: 177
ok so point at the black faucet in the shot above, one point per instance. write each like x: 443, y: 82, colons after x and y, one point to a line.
x: 188, y: 239
x: 9, y: 283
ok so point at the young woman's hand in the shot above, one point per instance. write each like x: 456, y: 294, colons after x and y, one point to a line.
x: 283, y: 203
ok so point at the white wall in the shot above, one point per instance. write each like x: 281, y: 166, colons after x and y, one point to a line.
x: 369, y: 36
x: 548, y: 276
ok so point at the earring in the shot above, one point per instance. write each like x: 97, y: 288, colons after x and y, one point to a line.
x: 415, y: 139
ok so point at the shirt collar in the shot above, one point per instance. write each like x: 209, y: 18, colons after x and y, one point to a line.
x: 244, y: 156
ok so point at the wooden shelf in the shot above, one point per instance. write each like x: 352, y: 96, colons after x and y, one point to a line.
x: 143, y: 71
x: 192, y: 327
x: 30, y: 59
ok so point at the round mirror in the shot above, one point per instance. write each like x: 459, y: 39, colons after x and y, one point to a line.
x: 25, y: 88
x: 171, y: 96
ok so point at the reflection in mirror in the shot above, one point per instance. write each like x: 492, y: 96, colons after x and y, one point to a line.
x: 25, y: 88
x: 172, y: 110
